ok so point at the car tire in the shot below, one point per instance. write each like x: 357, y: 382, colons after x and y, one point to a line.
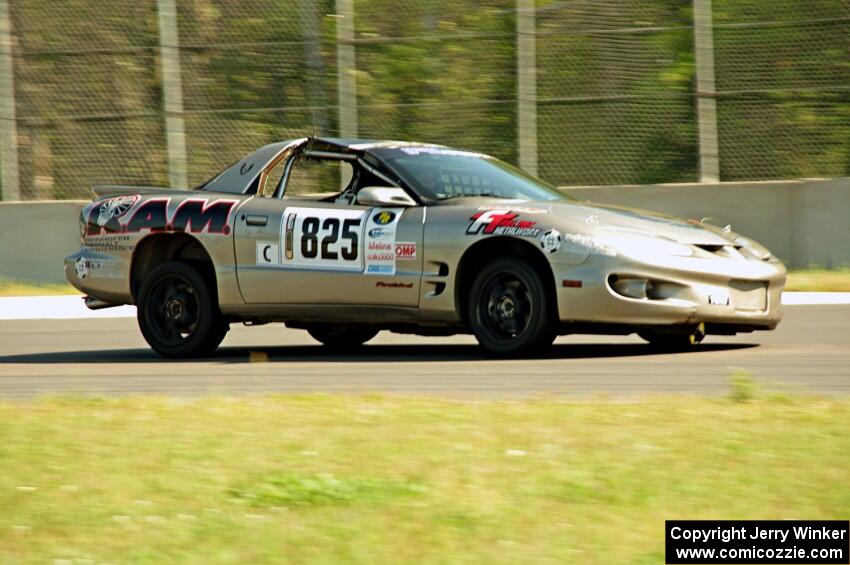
x: 178, y: 313
x: 341, y: 336
x: 668, y: 341
x: 510, y: 310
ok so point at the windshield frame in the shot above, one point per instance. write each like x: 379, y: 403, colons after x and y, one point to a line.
x: 386, y: 155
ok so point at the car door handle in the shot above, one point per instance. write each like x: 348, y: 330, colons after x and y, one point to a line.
x: 255, y: 220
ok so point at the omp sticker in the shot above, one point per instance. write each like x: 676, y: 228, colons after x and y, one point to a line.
x: 268, y: 253
x: 405, y: 250
x: 380, y: 241
x: 323, y: 238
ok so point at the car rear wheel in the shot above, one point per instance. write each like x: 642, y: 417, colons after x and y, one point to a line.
x: 510, y: 311
x: 342, y: 336
x: 178, y: 313
x: 678, y: 341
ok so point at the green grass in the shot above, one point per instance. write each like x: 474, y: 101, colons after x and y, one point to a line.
x: 10, y: 287
x: 321, y: 479
x: 819, y: 280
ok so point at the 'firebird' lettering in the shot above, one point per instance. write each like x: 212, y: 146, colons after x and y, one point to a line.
x: 194, y: 215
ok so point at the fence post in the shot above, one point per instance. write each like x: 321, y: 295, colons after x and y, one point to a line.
x: 709, y: 156
x: 526, y: 43
x: 10, y: 188
x: 172, y: 93
x: 310, y: 23
x: 346, y: 67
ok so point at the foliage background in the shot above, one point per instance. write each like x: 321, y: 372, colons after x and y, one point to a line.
x: 616, y: 86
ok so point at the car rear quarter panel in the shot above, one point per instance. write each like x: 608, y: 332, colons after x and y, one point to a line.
x: 112, y: 230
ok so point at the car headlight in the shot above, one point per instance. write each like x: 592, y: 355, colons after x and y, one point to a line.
x: 645, y: 245
x: 758, y: 250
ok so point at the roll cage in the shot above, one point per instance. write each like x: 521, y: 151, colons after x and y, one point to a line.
x: 251, y: 174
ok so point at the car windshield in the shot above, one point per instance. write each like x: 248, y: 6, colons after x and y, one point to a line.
x: 439, y: 173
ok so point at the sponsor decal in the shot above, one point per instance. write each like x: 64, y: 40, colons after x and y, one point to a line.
x: 519, y: 210
x: 380, y: 241
x: 551, y: 241
x: 194, y: 215
x: 380, y: 270
x: 384, y: 217
x: 109, y: 244
x: 432, y: 150
x: 268, y: 253
x: 97, y: 269
x: 81, y: 269
x: 382, y: 284
x: 380, y: 233
x: 115, y: 208
x: 405, y: 250
x: 586, y: 243
x: 501, y: 222
x: 288, y: 238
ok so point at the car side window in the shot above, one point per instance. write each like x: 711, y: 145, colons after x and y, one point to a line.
x: 317, y: 176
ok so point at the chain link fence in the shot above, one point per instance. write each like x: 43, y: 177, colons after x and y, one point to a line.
x: 614, y: 86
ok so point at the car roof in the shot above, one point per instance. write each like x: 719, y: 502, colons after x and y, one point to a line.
x: 241, y: 175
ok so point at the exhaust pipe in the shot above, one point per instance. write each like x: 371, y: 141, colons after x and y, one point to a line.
x: 96, y: 304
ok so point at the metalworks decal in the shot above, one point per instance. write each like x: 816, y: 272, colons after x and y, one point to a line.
x: 501, y: 222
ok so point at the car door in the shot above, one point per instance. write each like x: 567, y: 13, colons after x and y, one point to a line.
x: 299, y: 251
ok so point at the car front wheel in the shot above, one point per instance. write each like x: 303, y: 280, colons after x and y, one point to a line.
x: 178, y: 313
x: 510, y: 311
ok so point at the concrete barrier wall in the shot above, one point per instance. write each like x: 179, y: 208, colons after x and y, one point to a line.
x: 805, y: 223
x: 35, y: 237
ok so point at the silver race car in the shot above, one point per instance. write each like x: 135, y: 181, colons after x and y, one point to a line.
x: 412, y: 238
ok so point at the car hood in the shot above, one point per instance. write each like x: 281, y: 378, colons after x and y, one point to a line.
x: 591, y: 217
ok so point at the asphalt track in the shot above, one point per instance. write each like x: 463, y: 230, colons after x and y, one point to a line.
x: 808, y: 353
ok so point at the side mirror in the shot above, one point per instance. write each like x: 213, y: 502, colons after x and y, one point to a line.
x: 384, y: 196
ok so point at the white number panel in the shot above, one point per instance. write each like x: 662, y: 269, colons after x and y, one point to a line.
x: 323, y: 238
x: 339, y: 240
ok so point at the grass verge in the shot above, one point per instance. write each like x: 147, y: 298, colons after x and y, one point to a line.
x: 819, y: 280
x: 320, y: 479
x: 10, y: 287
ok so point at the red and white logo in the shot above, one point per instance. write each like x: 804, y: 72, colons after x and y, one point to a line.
x: 405, y: 250
x: 501, y: 222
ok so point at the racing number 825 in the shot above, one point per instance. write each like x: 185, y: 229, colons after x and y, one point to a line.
x: 310, y: 238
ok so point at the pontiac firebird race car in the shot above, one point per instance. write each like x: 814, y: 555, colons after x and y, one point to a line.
x: 418, y: 239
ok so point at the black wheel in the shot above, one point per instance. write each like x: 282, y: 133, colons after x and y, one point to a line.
x: 178, y: 313
x: 342, y: 336
x: 509, y: 309
x: 670, y: 341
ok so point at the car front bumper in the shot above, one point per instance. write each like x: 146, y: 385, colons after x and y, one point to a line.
x: 726, y: 295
